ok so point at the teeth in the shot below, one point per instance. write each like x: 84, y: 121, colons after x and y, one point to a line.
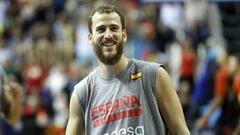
x: 108, y: 44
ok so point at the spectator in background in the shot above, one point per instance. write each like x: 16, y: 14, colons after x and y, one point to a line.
x: 11, y: 96
x: 236, y: 88
x: 225, y: 98
x: 187, y: 71
x: 196, y: 15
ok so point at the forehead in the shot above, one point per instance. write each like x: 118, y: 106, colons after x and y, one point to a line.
x: 100, y: 19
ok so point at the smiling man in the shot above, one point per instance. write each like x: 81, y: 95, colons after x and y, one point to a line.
x: 122, y: 96
x: 107, y: 37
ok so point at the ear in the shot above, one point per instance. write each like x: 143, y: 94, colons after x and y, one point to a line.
x: 90, y: 38
x: 124, y: 35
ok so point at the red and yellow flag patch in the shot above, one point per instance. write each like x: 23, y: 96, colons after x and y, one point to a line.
x: 136, y: 75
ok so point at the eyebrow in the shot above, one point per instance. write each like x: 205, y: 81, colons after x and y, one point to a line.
x: 114, y: 25
x: 104, y: 26
x: 101, y: 26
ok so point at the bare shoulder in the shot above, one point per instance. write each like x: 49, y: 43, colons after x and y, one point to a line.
x: 164, y: 85
x: 162, y: 75
x: 161, y: 70
x: 74, y: 100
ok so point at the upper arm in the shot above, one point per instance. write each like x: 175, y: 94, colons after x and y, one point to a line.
x: 75, y: 124
x: 169, y: 104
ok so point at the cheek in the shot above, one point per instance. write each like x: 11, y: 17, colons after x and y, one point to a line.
x: 99, y: 36
x: 98, y: 39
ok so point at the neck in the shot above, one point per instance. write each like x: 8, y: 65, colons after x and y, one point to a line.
x: 109, y: 71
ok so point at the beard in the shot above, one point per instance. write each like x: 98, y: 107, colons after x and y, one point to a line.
x: 111, y: 59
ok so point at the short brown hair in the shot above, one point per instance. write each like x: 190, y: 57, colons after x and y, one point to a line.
x: 107, y: 8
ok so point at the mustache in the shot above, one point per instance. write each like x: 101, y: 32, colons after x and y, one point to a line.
x: 114, y: 40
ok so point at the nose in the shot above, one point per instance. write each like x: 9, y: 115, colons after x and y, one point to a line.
x: 108, y: 34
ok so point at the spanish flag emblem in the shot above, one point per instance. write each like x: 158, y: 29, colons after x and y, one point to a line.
x: 136, y: 75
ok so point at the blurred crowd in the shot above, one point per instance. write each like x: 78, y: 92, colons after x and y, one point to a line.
x: 44, y: 46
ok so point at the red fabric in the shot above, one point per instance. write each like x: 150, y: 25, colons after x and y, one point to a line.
x: 188, y: 64
x: 29, y: 111
x: 221, y: 82
x: 35, y: 76
x: 236, y: 84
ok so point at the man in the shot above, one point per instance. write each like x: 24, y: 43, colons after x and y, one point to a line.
x: 11, y: 96
x: 122, y: 96
x: 226, y: 97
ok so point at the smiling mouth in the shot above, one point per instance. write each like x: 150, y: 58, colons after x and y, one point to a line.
x: 108, y: 44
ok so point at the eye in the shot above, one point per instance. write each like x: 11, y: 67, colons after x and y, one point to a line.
x: 101, y: 29
x: 114, y: 28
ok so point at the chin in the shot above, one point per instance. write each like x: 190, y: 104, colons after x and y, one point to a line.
x: 110, y: 60
x: 110, y: 55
